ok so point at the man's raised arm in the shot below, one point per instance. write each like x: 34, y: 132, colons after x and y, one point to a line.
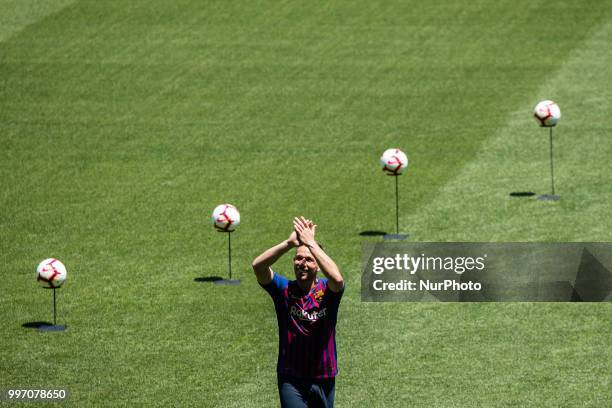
x: 261, y: 265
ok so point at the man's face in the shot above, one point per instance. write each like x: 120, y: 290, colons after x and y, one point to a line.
x: 304, y: 264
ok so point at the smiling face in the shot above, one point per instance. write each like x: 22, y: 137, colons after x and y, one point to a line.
x: 304, y: 264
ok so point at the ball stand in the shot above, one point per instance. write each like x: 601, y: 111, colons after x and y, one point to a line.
x: 230, y: 281
x: 397, y: 236
x: 55, y: 326
x: 552, y: 196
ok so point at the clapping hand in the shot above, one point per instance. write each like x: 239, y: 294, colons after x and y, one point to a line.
x: 305, y: 231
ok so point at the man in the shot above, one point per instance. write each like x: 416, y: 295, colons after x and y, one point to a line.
x: 306, y: 310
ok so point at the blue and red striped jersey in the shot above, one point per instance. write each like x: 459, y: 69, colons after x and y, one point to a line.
x: 306, y: 328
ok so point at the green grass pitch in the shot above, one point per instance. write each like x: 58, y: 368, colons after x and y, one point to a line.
x: 123, y: 124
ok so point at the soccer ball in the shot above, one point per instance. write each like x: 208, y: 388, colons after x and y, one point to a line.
x: 226, y: 218
x: 547, y: 113
x: 51, y: 273
x: 394, y: 162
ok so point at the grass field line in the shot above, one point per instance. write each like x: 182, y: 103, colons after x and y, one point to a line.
x: 516, y: 158
x: 18, y: 14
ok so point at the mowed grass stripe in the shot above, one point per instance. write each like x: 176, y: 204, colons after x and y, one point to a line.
x: 18, y: 14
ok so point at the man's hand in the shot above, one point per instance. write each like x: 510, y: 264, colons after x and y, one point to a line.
x: 305, y: 230
x: 293, y: 239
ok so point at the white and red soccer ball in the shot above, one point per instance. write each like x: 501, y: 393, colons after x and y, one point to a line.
x: 394, y: 162
x: 226, y: 218
x: 51, y: 273
x: 547, y: 113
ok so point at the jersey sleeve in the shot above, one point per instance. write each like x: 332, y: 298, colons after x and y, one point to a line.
x: 334, y: 297
x: 277, y: 286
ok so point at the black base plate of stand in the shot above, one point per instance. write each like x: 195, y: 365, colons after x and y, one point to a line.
x: 549, y: 197
x: 522, y: 194
x: 227, y: 282
x: 371, y: 233
x: 397, y: 237
x: 46, y: 328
